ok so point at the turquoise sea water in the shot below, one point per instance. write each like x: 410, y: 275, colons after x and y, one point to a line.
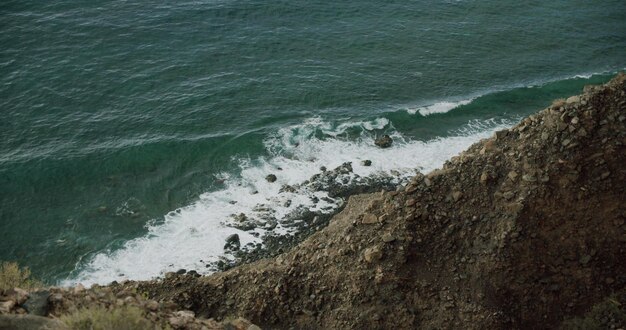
x: 128, y: 127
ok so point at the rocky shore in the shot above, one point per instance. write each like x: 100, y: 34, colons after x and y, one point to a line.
x: 523, y: 230
x: 339, y: 183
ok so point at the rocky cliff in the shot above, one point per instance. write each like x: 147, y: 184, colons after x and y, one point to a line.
x: 525, y: 229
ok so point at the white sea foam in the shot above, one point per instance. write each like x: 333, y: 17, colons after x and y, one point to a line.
x: 194, y: 235
x: 439, y: 107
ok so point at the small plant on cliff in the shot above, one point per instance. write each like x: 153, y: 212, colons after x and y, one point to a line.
x: 12, y: 276
x: 100, y: 318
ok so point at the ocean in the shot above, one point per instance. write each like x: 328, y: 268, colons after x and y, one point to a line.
x: 131, y: 132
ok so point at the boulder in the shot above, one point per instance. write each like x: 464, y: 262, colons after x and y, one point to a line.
x: 372, y: 254
x: 180, y: 319
x: 232, y: 242
x: 384, y: 141
x: 369, y: 219
x: 37, y: 303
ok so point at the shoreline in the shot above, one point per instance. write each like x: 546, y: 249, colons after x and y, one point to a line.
x: 525, y: 229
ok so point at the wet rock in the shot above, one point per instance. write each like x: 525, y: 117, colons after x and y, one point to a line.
x: 287, y: 188
x: 384, y: 142
x: 232, y: 242
x: 181, y: 271
x: 193, y: 273
x: 241, y: 217
x: 366, y: 162
x: 270, y: 225
x: 271, y: 178
x: 344, y: 168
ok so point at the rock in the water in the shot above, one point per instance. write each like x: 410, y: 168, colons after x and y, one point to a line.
x: 193, y: 273
x: 384, y: 142
x: 181, y: 271
x: 241, y: 217
x: 232, y: 242
x: 287, y: 188
x: 270, y: 178
x: 366, y: 162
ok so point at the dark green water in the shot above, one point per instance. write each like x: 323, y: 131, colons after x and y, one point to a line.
x: 113, y: 114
